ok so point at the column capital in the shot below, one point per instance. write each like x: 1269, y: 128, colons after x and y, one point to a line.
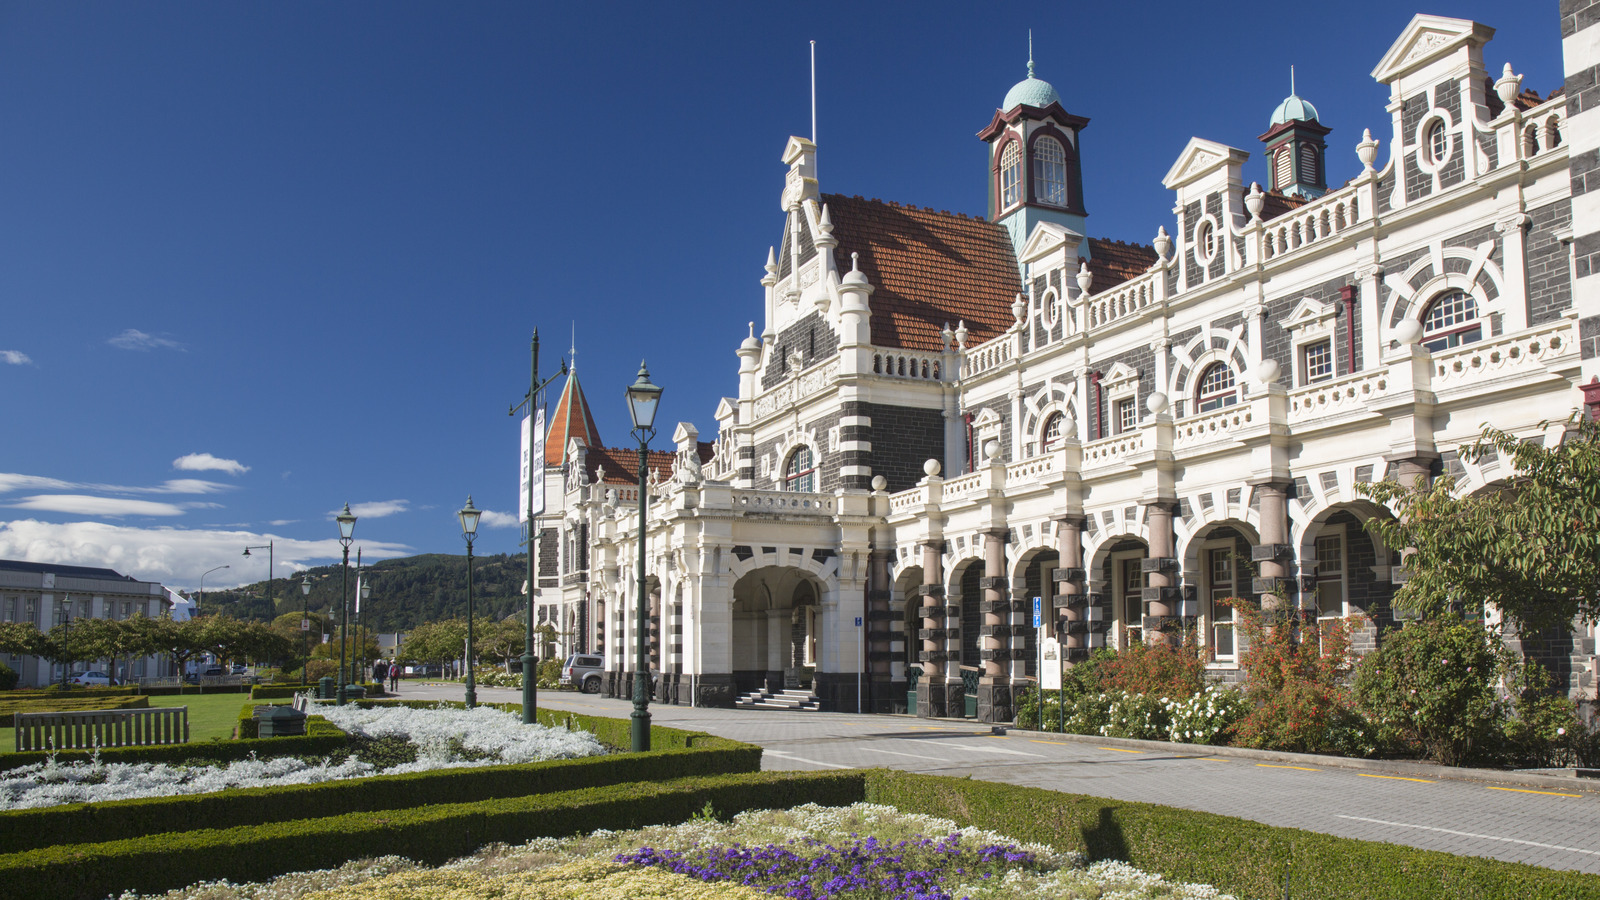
x: 936, y: 545
x: 1001, y: 534
x: 1271, y: 483
x: 1073, y: 520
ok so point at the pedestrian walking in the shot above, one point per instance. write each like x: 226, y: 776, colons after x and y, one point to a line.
x: 380, y: 672
x: 394, y: 677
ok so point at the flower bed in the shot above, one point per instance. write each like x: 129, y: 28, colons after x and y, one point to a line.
x: 808, y: 852
x: 387, y: 740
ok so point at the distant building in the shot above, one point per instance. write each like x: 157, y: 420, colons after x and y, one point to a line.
x: 945, y: 419
x: 48, y: 595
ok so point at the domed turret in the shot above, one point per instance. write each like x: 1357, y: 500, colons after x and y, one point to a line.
x: 1031, y: 91
x: 1294, y: 109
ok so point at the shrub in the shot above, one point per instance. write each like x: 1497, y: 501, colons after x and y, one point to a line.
x: 8, y: 677
x: 1430, y: 689
x: 1157, y: 668
x: 494, y: 676
x: 1138, y: 716
x: 550, y: 673
x: 1294, y: 682
x: 1207, y: 717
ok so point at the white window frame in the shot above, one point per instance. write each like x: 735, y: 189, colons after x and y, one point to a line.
x: 1052, y: 191
x: 1208, y: 583
x: 1011, y: 174
x: 1452, y: 335
x: 1125, y: 423
x: 1207, y: 240
x: 809, y: 474
x: 1303, y: 352
x: 1428, y: 159
x: 1126, y: 632
x: 1120, y: 383
x: 1222, y: 399
x: 1341, y: 576
x: 1047, y: 442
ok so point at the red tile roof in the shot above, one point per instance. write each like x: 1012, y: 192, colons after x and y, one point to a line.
x: 622, y: 463
x: 929, y: 269
x: 1113, y: 262
x: 572, y: 419
x: 1277, y: 204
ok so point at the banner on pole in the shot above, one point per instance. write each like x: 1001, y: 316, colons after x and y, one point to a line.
x: 1050, y: 664
x: 531, y: 497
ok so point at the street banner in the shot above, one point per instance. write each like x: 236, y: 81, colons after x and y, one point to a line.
x: 532, y: 466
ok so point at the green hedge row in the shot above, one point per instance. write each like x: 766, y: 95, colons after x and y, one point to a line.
x: 52, y: 692
x: 615, y: 733
x: 278, y: 691
x: 322, y: 738
x: 26, y: 829
x: 67, y: 703
x: 431, y: 834
x: 1237, y: 856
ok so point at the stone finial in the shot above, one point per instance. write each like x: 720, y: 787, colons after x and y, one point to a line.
x: 931, y: 468
x: 1157, y: 403
x: 961, y: 334
x: 1162, y: 243
x: 1367, y: 150
x: 1254, y: 201
x: 1019, y: 307
x: 880, y: 483
x: 946, y: 336
x: 1085, y: 277
x: 1266, y: 371
x: 1408, y: 332
x: 1508, y: 87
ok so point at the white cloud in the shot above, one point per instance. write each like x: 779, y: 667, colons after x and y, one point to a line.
x: 376, y: 509
x: 11, y: 481
x: 205, y: 462
x: 84, y: 505
x: 134, y: 339
x: 173, y: 556
x: 499, y: 519
x: 15, y: 358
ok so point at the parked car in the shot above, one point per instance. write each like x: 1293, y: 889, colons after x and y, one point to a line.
x: 207, y: 672
x: 427, y: 670
x: 238, y: 669
x: 94, y: 678
x: 584, y: 671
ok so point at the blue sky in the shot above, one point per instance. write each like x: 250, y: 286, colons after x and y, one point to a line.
x: 258, y: 260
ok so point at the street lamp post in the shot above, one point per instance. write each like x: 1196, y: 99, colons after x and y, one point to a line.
x: 362, y: 633
x: 643, y: 397
x: 347, y: 530
x: 202, y: 601
x: 273, y: 610
x: 469, y: 529
x: 305, y: 627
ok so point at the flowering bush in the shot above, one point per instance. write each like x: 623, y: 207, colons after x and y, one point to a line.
x: 1294, y: 683
x: 808, y: 851
x: 494, y: 676
x: 1207, y: 717
x: 1156, y: 668
x: 388, y: 740
x: 1140, y: 716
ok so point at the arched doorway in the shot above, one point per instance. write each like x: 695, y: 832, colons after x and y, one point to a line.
x: 777, y: 630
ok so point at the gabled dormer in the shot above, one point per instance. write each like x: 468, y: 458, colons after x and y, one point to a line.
x: 1035, y: 174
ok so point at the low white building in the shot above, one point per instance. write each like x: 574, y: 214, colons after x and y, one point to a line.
x: 48, y: 595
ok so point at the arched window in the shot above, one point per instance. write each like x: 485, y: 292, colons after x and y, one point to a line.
x: 1450, y: 321
x: 1010, y: 175
x: 1217, y: 388
x: 1282, y: 169
x: 1050, y: 438
x: 799, y: 473
x: 1049, y: 172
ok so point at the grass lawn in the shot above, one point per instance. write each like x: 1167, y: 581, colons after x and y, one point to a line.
x: 210, y: 716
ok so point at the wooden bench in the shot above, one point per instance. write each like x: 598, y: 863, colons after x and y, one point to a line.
x: 90, y: 728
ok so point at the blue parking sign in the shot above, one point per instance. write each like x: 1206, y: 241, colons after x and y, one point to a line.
x: 1038, y: 612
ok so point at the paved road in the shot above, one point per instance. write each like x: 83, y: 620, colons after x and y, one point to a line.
x: 1552, y: 827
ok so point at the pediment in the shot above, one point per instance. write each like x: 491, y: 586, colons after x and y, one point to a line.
x: 987, y: 417
x: 685, y: 432
x: 1118, y: 375
x: 1309, y: 312
x: 1047, y: 238
x: 1201, y: 157
x: 1425, y: 39
x: 796, y: 148
x: 727, y: 409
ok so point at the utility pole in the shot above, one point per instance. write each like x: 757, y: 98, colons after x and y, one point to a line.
x: 531, y: 401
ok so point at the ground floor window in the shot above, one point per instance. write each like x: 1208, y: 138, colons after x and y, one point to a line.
x: 1130, y: 590
x: 1220, y: 584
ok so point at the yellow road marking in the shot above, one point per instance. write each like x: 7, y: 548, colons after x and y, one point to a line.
x: 1052, y: 743
x: 1546, y: 793
x: 1271, y: 766
x: 1119, y: 750
x: 1396, y: 778
x: 1218, y: 758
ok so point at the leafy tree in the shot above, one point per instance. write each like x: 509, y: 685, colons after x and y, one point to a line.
x: 1294, y: 682
x: 1531, y: 547
x: 20, y: 638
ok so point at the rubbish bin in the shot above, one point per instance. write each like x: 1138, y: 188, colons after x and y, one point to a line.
x: 355, y: 692
x: 278, y: 721
x: 325, y: 689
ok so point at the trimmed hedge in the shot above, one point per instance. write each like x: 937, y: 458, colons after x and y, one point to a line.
x: 614, y: 733
x: 429, y: 834
x: 322, y: 738
x: 68, y: 703
x: 1237, y: 856
x: 75, y: 691
x: 26, y: 829
x: 278, y: 691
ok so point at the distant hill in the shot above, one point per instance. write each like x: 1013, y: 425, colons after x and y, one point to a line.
x: 405, y: 591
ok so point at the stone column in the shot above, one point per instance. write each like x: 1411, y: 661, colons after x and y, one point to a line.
x: 994, y: 686
x: 931, y: 687
x: 1071, y: 606
x: 1274, y: 554
x: 880, y: 634
x: 780, y: 648
x: 1161, y: 593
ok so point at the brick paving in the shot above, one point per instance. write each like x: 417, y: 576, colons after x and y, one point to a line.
x: 1509, y: 822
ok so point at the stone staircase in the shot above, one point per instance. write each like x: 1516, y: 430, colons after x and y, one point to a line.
x: 788, y: 699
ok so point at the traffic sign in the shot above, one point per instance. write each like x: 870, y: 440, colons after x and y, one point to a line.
x: 1038, y: 612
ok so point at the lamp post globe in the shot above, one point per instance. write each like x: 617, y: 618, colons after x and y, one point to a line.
x: 347, y: 531
x: 643, y: 400
x: 305, y: 627
x: 469, y: 529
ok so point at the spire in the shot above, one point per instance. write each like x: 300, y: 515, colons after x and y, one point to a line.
x: 1030, y: 52
x: 572, y: 354
x: 572, y: 419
